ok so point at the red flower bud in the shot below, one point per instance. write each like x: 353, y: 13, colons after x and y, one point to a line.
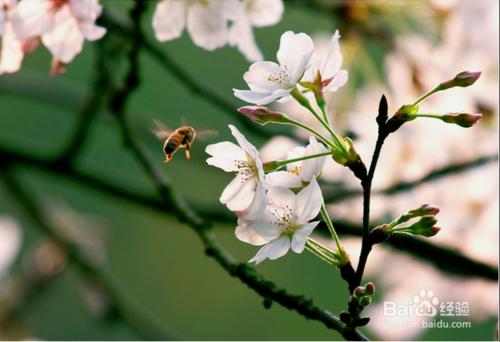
x: 462, y: 119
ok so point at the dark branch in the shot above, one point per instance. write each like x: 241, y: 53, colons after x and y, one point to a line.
x: 444, y: 258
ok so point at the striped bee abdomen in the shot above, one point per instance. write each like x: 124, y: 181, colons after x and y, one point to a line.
x: 171, y: 144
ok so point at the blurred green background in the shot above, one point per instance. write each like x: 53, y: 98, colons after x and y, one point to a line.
x: 158, y: 264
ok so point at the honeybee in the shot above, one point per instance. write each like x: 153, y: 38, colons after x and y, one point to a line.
x: 182, y: 137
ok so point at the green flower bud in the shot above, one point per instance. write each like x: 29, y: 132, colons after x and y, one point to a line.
x: 365, y: 301
x: 359, y: 292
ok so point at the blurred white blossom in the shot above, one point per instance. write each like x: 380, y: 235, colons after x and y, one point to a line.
x: 11, y: 48
x: 213, y: 24
x: 63, y: 25
x: 249, y: 13
x: 10, y: 242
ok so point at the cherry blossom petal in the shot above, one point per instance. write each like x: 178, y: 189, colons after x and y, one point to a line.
x: 312, y: 167
x: 10, y: 242
x: 206, y: 25
x: 265, y: 12
x: 32, y: 19
x: 295, y: 52
x: 283, y: 179
x: 273, y: 250
x: 300, y: 236
x: 331, y: 63
x: 238, y: 194
x: 338, y: 81
x: 85, y: 10
x: 241, y: 36
x: 65, y: 41
x: 224, y: 155
x: 260, y: 99
x: 243, y: 142
x: 256, y: 234
x: 169, y: 19
x: 91, y: 31
x: 258, y: 205
x: 257, y: 76
x: 11, y: 51
x: 281, y: 197
x: 309, y: 201
x: 2, y: 21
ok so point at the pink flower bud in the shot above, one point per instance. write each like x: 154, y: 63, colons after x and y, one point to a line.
x: 462, y: 119
x: 463, y: 79
x: 262, y: 115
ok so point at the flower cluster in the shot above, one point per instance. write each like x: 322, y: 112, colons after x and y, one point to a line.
x: 212, y: 23
x: 277, y: 201
x: 269, y: 212
x: 62, y: 26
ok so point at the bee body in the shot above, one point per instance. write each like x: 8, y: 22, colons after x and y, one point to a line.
x: 182, y: 137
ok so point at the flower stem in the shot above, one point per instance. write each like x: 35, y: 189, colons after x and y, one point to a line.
x: 304, y: 102
x: 426, y: 95
x: 434, y: 116
x: 313, y: 131
x: 280, y: 163
x: 331, y: 228
x: 316, y: 250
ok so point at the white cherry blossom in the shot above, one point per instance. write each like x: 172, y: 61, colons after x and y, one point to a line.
x: 11, y: 48
x: 206, y: 21
x: 284, y: 224
x: 246, y: 192
x: 328, y: 62
x: 63, y: 25
x: 302, y: 172
x: 249, y: 13
x: 270, y: 81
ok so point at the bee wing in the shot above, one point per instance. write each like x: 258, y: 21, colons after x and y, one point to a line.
x: 160, y: 130
x: 206, y: 133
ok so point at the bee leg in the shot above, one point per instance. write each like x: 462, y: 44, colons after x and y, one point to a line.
x: 168, y: 157
x: 188, y: 151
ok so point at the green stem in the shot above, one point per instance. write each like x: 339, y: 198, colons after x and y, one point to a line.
x: 325, y: 250
x: 434, y: 116
x: 330, y: 226
x: 313, y: 131
x: 423, y: 97
x: 319, y: 253
x: 306, y: 104
x: 280, y: 163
